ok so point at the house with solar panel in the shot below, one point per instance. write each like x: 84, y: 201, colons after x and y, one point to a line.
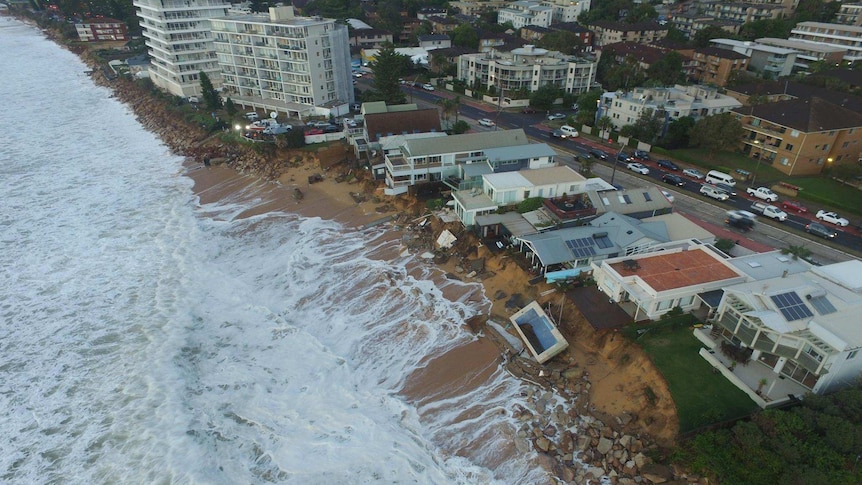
x: 437, y: 160
x: 801, y: 333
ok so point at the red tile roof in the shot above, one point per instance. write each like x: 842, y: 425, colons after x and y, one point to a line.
x: 677, y: 270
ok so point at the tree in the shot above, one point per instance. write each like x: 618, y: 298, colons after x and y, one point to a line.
x: 605, y: 125
x: 448, y: 106
x: 677, y: 134
x: 561, y: 41
x: 624, y: 76
x: 702, y: 37
x: 544, y: 97
x: 465, y: 35
x: 643, y: 12
x: 211, y: 97
x: 716, y: 133
x: 230, y: 107
x: 460, y: 127
x: 676, y: 35
x: 797, y: 252
x: 588, y: 106
x: 388, y: 67
x: 667, y: 71
x: 648, y: 125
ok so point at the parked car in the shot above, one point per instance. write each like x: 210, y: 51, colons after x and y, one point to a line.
x: 252, y: 116
x: 642, y: 155
x: 313, y: 131
x: 528, y: 110
x: 667, y: 164
x: 331, y: 129
x: 427, y: 87
x: 820, y: 230
x: 792, y: 205
x: 556, y: 116
x: 486, y: 122
x: 357, y: 74
x: 599, y: 154
x: 832, y: 218
x: 729, y: 189
x: 672, y: 179
x: 637, y: 167
x: 693, y: 172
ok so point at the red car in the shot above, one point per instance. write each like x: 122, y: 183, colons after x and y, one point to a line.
x: 794, y: 206
x: 528, y: 110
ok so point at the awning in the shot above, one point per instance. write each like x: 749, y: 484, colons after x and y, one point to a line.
x: 711, y: 298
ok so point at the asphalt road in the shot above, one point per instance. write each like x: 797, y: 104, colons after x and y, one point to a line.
x: 687, y: 198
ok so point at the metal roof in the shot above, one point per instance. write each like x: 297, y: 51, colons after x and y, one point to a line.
x: 467, y: 142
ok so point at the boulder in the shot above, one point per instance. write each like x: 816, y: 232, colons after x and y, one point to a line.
x: 595, y: 472
x: 626, y: 441
x: 549, y: 431
x: 641, y: 460
x: 567, y: 444
x: 543, y: 444
x: 655, y: 473
x: 604, y: 445
x: 583, y: 442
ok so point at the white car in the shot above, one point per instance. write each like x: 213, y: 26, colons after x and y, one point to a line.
x: 832, y: 218
x: 556, y: 116
x: 637, y: 167
x: 693, y: 172
x: 486, y: 122
x: 427, y: 87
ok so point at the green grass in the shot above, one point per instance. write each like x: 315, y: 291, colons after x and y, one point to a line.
x: 823, y: 190
x: 702, y: 397
x: 726, y: 162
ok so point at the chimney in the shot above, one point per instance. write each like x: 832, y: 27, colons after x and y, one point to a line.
x: 784, y: 274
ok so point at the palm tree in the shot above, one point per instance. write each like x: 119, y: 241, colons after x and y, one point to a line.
x: 604, y: 124
x: 797, y: 252
x: 449, y: 106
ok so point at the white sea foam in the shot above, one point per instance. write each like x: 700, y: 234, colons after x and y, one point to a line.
x: 145, y: 338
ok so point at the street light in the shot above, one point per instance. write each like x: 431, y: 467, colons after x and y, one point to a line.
x: 759, y: 158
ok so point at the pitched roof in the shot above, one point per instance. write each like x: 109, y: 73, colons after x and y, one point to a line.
x: 643, y: 53
x: 427, y: 37
x: 398, y: 123
x: 806, y: 115
x: 722, y: 53
x: 801, y: 91
x: 570, y: 27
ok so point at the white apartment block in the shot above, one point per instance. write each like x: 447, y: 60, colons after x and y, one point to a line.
x: 807, y: 52
x: 565, y: 11
x: 528, y: 68
x: 624, y: 108
x: 526, y: 12
x: 766, y: 60
x: 838, y: 35
x: 179, y: 42
x: 849, y: 14
x: 280, y: 62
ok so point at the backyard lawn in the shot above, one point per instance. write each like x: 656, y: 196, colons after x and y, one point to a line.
x: 702, y: 397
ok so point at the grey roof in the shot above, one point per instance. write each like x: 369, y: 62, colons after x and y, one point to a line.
x: 764, y: 266
x: 467, y: 142
x: 512, y: 221
x: 521, y: 152
x: 427, y: 37
x: 615, y: 201
x: 624, y: 230
x: 476, y: 169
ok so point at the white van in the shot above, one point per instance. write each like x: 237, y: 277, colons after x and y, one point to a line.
x: 569, y: 131
x: 714, y: 176
x: 711, y: 191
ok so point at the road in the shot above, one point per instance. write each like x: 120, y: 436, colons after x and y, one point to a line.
x: 687, y: 198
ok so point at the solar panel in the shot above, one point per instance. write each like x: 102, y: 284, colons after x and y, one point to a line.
x: 822, y: 305
x: 791, y: 306
x: 582, y: 247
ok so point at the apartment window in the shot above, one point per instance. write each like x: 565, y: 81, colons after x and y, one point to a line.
x: 846, y: 144
x: 663, y: 305
x: 794, y: 133
x: 852, y: 355
x: 826, y: 147
x: 788, y: 147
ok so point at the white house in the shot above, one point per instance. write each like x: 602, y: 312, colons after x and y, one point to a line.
x: 430, y: 159
x: 526, y: 12
x: 624, y: 108
x: 801, y: 330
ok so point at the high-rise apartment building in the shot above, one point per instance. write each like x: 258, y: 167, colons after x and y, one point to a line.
x: 179, y: 40
x: 281, y: 62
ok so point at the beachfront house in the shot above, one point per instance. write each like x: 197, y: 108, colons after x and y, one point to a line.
x: 649, y: 285
x: 430, y: 160
x: 510, y: 188
x: 606, y: 236
x: 800, y: 331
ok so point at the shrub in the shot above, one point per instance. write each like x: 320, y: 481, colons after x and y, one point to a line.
x: 530, y: 204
